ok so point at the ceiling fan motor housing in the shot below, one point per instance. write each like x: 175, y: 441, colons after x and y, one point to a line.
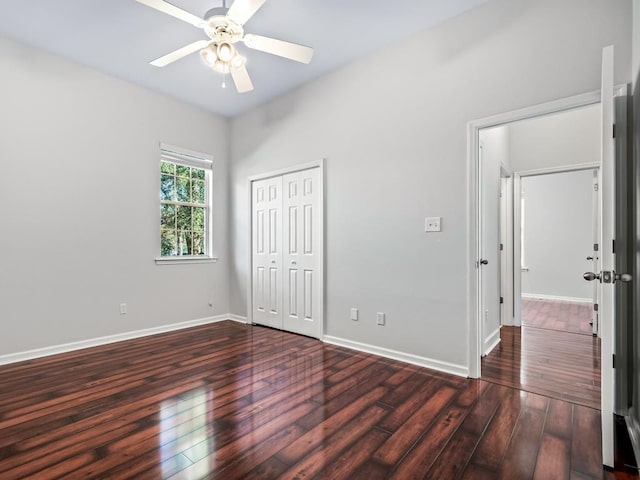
x: 221, y: 28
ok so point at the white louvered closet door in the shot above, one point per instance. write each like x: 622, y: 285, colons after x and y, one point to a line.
x: 267, y: 252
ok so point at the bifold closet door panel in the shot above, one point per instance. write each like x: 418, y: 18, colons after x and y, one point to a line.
x: 267, y: 252
x: 301, y: 222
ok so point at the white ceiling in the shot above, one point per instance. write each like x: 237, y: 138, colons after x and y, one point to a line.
x: 120, y: 37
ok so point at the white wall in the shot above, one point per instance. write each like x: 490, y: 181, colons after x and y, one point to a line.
x: 393, y: 130
x: 79, y: 189
x: 566, y: 138
x: 558, y: 234
x: 495, y: 154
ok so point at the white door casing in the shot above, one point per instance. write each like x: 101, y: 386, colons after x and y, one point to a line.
x: 287, y: 250
x: 595, y: 254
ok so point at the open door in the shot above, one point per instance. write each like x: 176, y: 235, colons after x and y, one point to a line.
x: 607, y: 277
x: 607, y: 256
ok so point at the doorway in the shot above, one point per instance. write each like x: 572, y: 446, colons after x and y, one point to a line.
x: 537, y: 217
x: 558, y: 243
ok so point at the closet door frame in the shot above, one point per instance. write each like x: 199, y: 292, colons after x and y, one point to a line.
x: 320, y: 207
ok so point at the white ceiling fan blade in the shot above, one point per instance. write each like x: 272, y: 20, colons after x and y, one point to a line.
x: 242, y: 10
x: 289, y: 50
x: 181, y: 52
x: 174, y: 11
x: 241, y: 79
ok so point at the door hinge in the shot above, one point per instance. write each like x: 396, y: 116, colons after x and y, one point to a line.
x: 501, y: 247
x: 595, y: 187
x: 613, y: 246
x: 501, y: 300
x: 595, y: 247
x: 614, y: 131
x: 613, y: 360
x: 595, y: 307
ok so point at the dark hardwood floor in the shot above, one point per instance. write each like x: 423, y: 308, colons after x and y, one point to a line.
x: 559, y: 315
x: 231, y: 401
x: 557, y: 364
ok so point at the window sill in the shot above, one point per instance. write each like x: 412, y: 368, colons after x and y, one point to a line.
x: 184, y: 259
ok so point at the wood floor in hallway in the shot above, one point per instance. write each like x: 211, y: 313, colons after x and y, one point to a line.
x: 574, y: 317
x: 233, y: 401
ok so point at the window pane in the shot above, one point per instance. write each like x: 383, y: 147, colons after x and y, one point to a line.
x: 169, y: 168
x: 198, y: 243
x: 168, y: 243
x: 198, y: 219
x: 184, y: 218
x: 197, y: 191
x: 167, y: 187
x: 168, y: 216
x: 182, y: 171
x: 185, y: 243
x: 197, y: 173
x: 183, y: 190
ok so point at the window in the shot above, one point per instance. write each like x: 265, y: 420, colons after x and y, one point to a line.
x: 185, y: 204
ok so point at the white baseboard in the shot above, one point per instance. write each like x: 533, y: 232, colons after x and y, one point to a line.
x: 555, y: 297
x: 94, y: 342
x: 237, y: 318
x: 445, y: 367
x: 491, y: 342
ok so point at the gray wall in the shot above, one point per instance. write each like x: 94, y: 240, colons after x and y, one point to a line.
x: 393, y: 129
x: 79, y: 188
x: 558, y: 234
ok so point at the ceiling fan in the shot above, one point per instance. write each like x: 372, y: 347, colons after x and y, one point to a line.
x: 225, y: 27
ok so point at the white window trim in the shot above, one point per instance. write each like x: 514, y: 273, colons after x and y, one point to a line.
x: 192, y: 158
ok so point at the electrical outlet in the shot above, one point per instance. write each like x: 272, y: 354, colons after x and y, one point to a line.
x: 432, y: 224
x: 123, y: 309
x: 380, y: 318
x: 354, y: 314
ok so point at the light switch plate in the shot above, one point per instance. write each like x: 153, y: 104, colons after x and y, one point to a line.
x: 432, y: 224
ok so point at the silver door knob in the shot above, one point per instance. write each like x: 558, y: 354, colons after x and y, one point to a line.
x: 590, y: 276
x: 623, y: 277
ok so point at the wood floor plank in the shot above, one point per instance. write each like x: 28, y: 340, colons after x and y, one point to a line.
x: 554, y: 459
x: 520, y: 457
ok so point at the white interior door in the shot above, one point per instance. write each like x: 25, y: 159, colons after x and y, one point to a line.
x: 266, y: 248
x: 301, y: 257
x: 607, y: 258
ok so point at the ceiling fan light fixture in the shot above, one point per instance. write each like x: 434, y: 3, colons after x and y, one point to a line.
x: 209, y: 56
x: 238, y: 61
x: 225, y: 51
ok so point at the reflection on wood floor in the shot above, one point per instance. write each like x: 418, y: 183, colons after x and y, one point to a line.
x: 232, y: 401
x: 560, y: 365
x: 558, y: 315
